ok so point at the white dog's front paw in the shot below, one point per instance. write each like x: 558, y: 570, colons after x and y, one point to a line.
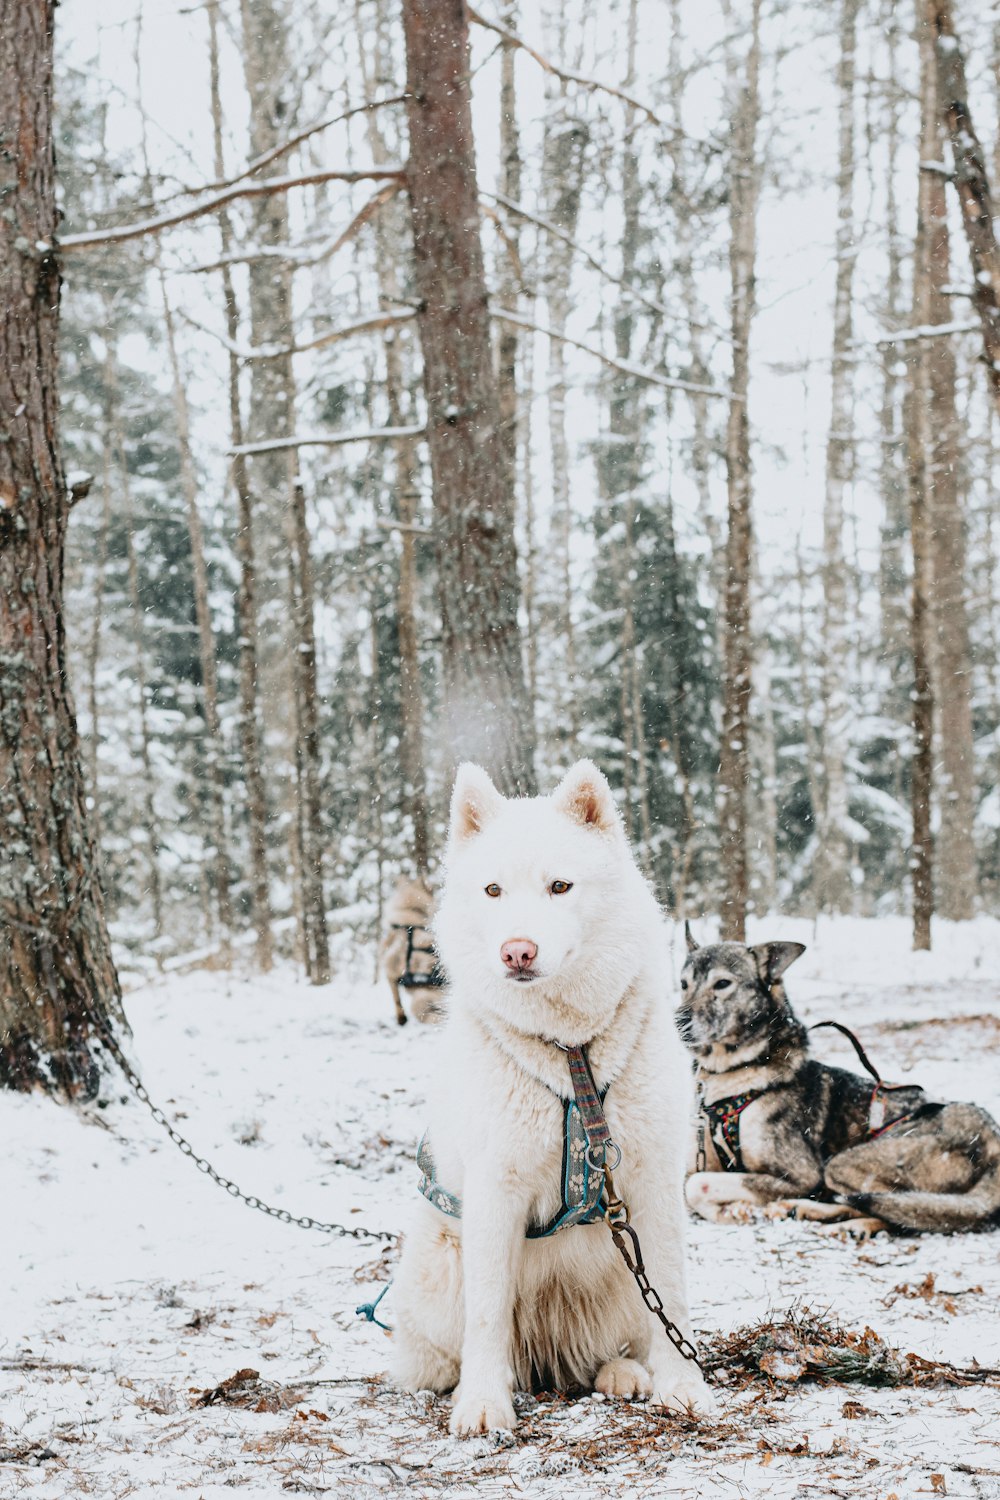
x: 473, y: 1415
x: 623, y: 1377
x: 687, y: 1394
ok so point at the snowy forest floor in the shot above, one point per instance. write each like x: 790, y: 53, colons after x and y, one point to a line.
x: 132, y: 1285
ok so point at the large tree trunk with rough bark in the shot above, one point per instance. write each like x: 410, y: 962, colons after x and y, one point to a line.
x: 972, y: 182
x: 58, y: 985
x: 487, y: 714
x: 831, y: 872
x: 734, y: 751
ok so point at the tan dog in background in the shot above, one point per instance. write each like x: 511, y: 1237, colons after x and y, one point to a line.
x: 410, y: 905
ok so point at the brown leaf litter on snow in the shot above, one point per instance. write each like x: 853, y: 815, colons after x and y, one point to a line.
x: 804, y: 1347
x: 929, y: 1292
x: 246, y: 1389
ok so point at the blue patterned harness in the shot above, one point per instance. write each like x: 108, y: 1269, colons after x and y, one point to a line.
x: 582, y: 1182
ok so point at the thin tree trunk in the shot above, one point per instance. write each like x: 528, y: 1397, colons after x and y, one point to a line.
x: 260, y: 904
x: 509, y: 280
x: 563, y: 157
x: 832, y: 872
x: 892, y: 468
x: 407, y: 492
x: 269, y: 81
x: 972, y: 181
x: 918, y: 445
x: 214, y: 760
x: 305, y: 634
x: 487, y: 709
x: 955, y: 854
x: 116, y: 449
x: 734, y: 756
x: 96, y: 626
x: 58, y: 984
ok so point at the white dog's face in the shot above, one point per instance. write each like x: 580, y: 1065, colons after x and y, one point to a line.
x: 536, y: 901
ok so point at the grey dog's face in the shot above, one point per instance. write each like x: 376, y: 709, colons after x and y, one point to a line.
x: 726, y: 1000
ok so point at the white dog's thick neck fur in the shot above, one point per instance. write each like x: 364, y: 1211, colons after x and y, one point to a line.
x: 478, y: 1305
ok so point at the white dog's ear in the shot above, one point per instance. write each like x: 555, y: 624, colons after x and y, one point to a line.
x: 585, y: 796
x: 774, y: 958
x: 475, y: 802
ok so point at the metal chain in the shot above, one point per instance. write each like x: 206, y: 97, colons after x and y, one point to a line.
x: 358, y: 1232
x: 616, y: 1216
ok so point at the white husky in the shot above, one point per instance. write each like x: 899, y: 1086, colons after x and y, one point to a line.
x: 549, y: 935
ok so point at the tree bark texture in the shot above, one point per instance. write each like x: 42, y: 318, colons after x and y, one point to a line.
x: 832, y: 865
x: 488, y: 716
x: 918, y: 447
x: 972, y: 183
x: 253, y: 776
x: 58, y: 984
x: 734, y: 752
x: 269, y: 81
x: 955, y: 853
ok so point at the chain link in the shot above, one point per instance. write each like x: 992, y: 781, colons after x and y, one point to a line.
x: 616, y: 1216
x: 358, y: 1232
x: 650, y: 1295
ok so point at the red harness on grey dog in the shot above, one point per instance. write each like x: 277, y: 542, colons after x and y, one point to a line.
x: 723, y: 1115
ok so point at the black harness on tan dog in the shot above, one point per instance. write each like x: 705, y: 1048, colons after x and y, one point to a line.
x: 722, y: 1116
x: 408, y: 980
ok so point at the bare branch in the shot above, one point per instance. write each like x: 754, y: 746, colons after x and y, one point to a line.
x: 370, y: 324
x: 638, y: 372
x: 218, y: 200
x: 592, y: 84
x: 327, y: 440
x: 926, y: 331
x: 308, y: 257
x: 388, y: 525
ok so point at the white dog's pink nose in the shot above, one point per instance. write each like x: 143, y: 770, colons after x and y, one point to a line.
x: 519, y: 953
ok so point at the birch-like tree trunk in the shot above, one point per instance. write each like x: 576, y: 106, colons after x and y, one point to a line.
x: 955, y: 852
x: 58, y: 984
x: 972, y: 182
x: 734, y: 752
x: 487, y: 711
x: 832, y: 866
x: 253, y: 775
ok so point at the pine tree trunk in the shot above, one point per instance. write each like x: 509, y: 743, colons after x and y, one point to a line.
x: 487, y: 709
x: 955, y: 854
x: 832, y: 872
x: 972, y: 181
x: 509, y: 281
x: 734, y: 753
x: 918, y: 446
x: 256, y: 797
x: 58, y: 985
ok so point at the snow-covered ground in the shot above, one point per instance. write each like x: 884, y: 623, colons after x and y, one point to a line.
x: 131, y: 1283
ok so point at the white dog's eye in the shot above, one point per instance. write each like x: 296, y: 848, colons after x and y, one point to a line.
x: 560, y: 887
x: 493, y: 889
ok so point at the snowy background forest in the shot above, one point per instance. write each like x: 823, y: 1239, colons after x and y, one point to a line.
x: 277, y: 777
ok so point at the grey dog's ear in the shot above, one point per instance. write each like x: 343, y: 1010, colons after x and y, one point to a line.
x: 774, y: 958
x: 689, y: 938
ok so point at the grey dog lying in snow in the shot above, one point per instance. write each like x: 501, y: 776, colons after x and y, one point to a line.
x: 776, y: 1124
